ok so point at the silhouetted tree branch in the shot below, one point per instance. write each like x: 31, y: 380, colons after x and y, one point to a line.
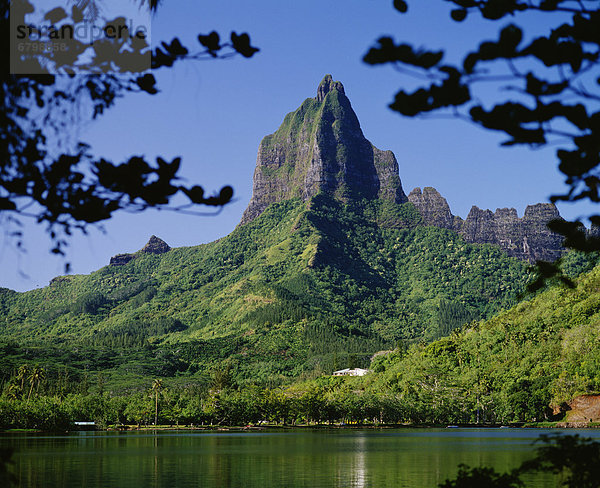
x: 70, y: 188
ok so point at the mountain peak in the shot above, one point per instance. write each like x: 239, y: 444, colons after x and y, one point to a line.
x: 327, y: 85
x: 155, y: 245
x: 320, y: 148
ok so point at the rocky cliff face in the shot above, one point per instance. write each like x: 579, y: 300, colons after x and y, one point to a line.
x: 433, y: 207
x: 321, y: 148
x: 584, y: 408
x: 526, y: 238
x: 580, y: 411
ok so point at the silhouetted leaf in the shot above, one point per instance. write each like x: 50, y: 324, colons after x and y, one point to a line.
x: 7, y: 204
x: 241, y: 43
x: 459, y: 14
x: 147, y: 83
x: 510, y: 38
x: 539, y: 88
x: 388, y: 52
x: 195, y: 194
x: 496, y: 9
x: 401, y: 6
x: 210, y: 42
x: 549, y: 4
x: 160, y: 59
x: 225, y: 194
x: 465, y: 3
x: 175, y: 48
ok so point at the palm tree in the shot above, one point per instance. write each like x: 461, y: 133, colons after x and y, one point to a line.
x: 22, y: 374
x: 36, y: 376
x: 13, y: 391
x: 157, y: 387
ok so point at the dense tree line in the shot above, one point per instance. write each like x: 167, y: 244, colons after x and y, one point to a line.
x: 316, y: 404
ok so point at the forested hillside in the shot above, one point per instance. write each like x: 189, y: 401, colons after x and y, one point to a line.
x: 305, y: 288
x: 331, y: 264
x: 520, y: 365
x: 515, y: 366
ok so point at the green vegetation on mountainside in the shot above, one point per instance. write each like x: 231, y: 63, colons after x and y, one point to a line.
x: 295, y: 141
x: 513, y: 367
x: 303, y: 289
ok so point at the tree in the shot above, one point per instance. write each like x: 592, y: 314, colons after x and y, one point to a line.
x: 22, y: 374
x: 551, y: 81
x: 13, y: 392
x: 68, y: 188
x: 157, y: 388
x: 138, y: 409
x: 36, y: 376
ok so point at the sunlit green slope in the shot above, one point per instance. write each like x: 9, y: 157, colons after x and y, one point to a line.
x: 515, y: 366
x: 300, y: 288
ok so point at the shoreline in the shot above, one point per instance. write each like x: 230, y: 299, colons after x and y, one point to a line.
x: 273, y: 427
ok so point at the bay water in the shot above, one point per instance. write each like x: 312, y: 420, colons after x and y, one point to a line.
x: 315, y: 458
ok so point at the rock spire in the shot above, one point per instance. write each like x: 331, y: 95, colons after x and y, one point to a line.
x: 321, y: 148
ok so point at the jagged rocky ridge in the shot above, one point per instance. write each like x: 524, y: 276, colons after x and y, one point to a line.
x: 321, y: 148
x: 526, y: 238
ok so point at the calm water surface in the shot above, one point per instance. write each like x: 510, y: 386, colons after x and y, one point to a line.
x: 412, y: 458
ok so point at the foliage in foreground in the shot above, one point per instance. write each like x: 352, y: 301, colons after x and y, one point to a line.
x: 75, y: 189
x: 541, y: 89
x: 574, y: 460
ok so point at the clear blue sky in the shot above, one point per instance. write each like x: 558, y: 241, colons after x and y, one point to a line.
x: 214, y: 114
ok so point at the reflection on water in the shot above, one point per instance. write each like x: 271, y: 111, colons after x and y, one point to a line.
x: 358, y: 467
x: 300, y: 458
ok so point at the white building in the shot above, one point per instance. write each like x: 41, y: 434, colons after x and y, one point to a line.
x: 351, y: 372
